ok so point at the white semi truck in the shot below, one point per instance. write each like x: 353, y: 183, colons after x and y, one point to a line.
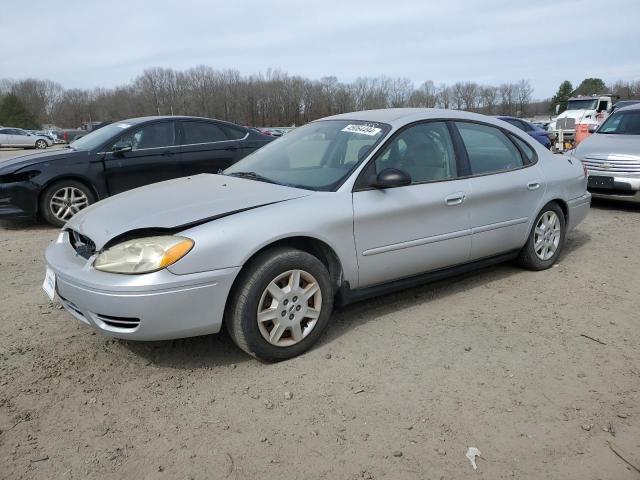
x: 589, y: 110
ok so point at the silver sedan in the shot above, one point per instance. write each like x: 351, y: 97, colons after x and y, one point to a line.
x: 612, y: 156
x: 341, y: 209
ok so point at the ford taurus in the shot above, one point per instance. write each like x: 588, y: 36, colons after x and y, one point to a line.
x: 343, y: 208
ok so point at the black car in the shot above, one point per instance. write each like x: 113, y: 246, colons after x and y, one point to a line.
x: 118, y: 157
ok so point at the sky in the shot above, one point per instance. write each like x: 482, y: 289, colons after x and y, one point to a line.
x: 86, y: 44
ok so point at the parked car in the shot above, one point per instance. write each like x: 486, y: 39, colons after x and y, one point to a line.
x: 72, y: 134
x: 19, y: 138
x: 119, y: 157
x: 612, y: 156
x: 536, y: 132
x: 340, y: 209
x: 624, y: 103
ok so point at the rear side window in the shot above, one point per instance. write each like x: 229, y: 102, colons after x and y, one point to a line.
x: 528, y: 152
x: 489, y: 150
x: 234, y: 133
x: 202, y: 132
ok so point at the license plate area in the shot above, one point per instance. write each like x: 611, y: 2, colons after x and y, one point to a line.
x: 49, y: 284
x: 600, y: 181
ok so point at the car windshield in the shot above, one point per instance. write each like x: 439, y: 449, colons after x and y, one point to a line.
x: 622, y: 123
x: 96, y: 138
x: 317, y: 156
x: 587, y: 104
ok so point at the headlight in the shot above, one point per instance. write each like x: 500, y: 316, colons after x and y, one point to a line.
x: 143, y: 255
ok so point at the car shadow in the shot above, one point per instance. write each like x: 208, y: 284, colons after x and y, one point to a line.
x: 26, y: 224
x: 190, y: 353
x: 219, y: 350
x: 604, y: 204
x: 356, y: 314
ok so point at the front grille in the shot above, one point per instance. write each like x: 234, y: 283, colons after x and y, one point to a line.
x: 82, y: 244
x: 612, y: 165
x: 566, y: 124
x: 119, y: 322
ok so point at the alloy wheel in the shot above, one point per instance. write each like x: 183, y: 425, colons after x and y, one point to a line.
x: 547, y: 235
x: 289, y: 308
x: 67, y: 201
x: 41, y: 144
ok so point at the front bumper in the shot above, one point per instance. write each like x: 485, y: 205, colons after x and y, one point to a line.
x: 153, y: 306
x: 578, y: 209
x: 625, y: 188
x: 18, y: 200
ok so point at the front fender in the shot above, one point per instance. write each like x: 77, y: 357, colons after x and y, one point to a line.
x: 231, y: 241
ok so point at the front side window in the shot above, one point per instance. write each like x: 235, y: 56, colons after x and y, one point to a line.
x: 424, y: 151
x: 317, y: 156
x: 152, y: 136
x: 622, y: 123
x: 488, y: 149
x: 202, y: 132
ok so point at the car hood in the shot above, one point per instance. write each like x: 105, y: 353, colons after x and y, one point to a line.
x: 606, y: 146
x: 14, y: 164
x: 176, y: 205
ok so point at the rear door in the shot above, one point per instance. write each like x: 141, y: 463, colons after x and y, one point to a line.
x: 206, y: 147
x: 505, y: 188
x: 153, y: 158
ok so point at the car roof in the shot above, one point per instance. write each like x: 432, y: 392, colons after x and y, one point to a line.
x: 633, y: 106
x: 137, y: 120
x: 397, y: 117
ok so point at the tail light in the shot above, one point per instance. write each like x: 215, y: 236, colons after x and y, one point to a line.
x: 65, y: 136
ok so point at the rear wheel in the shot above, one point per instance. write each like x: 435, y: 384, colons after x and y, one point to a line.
x: 41, y: 144
x: 281, y: 304
x: 63, y: 199
x: 545, y: 240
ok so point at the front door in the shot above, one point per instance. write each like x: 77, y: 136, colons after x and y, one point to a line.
x: 153, y: 157
x: 505, y: 189
x: 404, y: 231
x: 206, y: 148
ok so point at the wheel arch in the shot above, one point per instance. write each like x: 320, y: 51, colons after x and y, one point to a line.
x: 313, y: 246
x: 563, y: 206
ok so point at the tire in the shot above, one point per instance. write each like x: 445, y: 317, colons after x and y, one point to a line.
x: 251, y: 294
x: 71, y: 196
x: 41, y: 144
x: 533, y: 255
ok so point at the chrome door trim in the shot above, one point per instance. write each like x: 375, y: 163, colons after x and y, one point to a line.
x: 417, y: 242
x: 495, y: 226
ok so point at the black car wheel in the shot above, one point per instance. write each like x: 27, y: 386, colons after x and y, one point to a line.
x: 63, y: 199
x: 280, y: 305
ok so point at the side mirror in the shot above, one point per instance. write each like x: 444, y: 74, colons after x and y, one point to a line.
x: 593, y: 128
x: 392, y: 177
x: 120, y: 148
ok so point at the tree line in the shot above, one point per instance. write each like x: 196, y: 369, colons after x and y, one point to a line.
x: 272, y: 99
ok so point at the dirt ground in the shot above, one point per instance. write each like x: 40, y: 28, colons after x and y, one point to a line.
x: 398, y: 388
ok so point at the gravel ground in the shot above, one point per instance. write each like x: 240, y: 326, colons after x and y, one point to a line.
x: 399, y: 387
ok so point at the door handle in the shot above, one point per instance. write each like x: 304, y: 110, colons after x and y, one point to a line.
x: 168, y: 153
x: 455, y: 199
x: 232, y: 148
x: 533, y: 185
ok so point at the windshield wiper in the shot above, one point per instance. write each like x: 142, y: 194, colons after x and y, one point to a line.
x: 252, y: 176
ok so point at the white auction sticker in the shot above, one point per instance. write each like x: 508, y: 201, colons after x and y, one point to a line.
x: 362, y: 129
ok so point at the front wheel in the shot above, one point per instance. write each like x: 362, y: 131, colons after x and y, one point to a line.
x: 281, y: 304
x: 63, y: 200
x: 41, y: 144
x: 545, y: 240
